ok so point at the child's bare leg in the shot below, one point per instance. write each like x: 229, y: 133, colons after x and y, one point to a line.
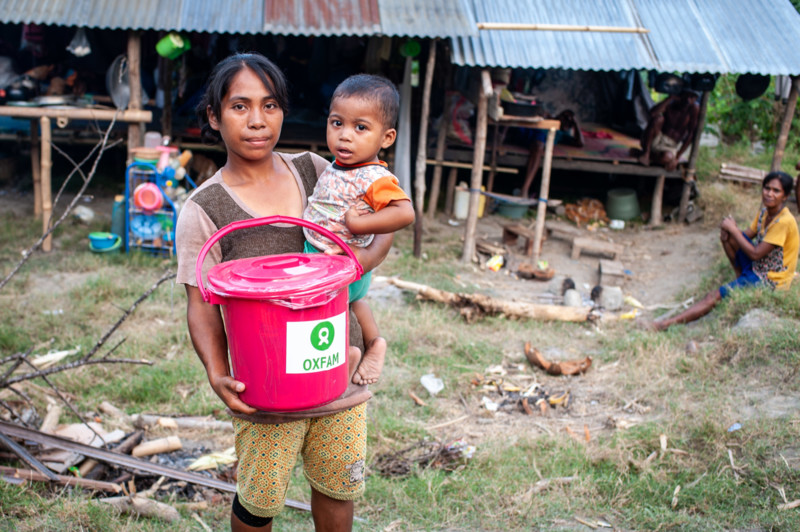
x: 371, y: 363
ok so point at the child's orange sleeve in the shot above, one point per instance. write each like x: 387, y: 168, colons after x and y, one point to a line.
x: 384, y: 191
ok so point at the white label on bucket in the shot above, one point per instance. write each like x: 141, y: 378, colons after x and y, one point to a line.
x: 313, y: 346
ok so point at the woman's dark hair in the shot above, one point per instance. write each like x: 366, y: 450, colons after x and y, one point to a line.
x: 784, y: 178
x: 375, y: 88
x: 220, y: 79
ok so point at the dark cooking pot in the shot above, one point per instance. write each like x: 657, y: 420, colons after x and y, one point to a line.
x: 749, y: 86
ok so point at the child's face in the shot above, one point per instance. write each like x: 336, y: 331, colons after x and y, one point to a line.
x: 356, y: 132
x: 250, y: 119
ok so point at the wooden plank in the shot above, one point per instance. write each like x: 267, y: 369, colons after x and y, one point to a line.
x: 597, y: 247
x: 623, y: 168
x: 456, y: 164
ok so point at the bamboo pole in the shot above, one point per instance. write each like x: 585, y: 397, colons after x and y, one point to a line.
x: 451, y: 190
x: 477, y: 167
x: 441, y: 141
x: 135, y: 134
x: 691, y: 169
x: 786, y: 125
x: 46, y: 190
x: 421, y: 150
x: 558, y: 27
x: 36, y: 168
x: 544, y: 193
x: 77, y: 113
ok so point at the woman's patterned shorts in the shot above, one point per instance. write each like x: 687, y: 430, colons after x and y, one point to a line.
x: 333, y: 448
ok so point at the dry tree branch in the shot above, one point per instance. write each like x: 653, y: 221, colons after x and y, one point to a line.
x: 52, y: 226
x: 72, y: 365
x: 166, y: 277
x: 69, y: 405
x: 77, y: 167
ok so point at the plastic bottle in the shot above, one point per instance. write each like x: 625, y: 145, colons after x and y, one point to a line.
x: 118, y: 216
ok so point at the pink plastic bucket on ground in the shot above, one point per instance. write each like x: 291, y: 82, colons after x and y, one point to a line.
x: 286, y: 319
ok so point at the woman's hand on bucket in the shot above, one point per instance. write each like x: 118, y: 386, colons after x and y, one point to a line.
x: 228, y: 389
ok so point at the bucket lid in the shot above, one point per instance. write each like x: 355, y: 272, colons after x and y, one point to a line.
x: 277, y: 277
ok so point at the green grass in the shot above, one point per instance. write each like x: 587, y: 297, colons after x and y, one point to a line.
x: 620, y: 475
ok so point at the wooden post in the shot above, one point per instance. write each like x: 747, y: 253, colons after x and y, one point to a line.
x: 419, y: 192
x: 441, y: 142
x: 544, y: 193
x: 165, y: 73
x: 477, y: 167
x: 46, y: 191
x: 135, y: 84
x: 691, y: 169
x: 786, y: 124
x: 36, y: 168
x: 451, y: 190
x: 495, y: 137
x: 658, y: 198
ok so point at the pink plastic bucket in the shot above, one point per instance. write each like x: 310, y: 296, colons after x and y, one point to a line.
x: 147, y: 197
x: 286, y: 318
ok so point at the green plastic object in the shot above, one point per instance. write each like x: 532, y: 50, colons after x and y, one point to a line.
x: 622, y: 204
x: 512, y: 210
x: 172, y: 45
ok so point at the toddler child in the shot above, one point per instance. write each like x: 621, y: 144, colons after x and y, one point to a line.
x: 356, y: 196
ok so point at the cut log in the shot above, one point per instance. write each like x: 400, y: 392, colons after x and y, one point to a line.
x: 598, y: 247
x: 143, y: 507
x: 161, y: 445
x: 148, y: 420
x: 473, y: 303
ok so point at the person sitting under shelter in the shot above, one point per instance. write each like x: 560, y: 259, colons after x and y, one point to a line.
x: 670, y: 130
x: 569, y: 133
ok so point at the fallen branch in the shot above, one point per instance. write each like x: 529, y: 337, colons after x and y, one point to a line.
x: 64, y: 480
x: 71, y: 365
x: 149, y: 420
x: 26, y: 255
x: 472, y: 304
x: 790, y: 505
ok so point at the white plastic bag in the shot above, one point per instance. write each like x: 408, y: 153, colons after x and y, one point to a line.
x: 79, y: 45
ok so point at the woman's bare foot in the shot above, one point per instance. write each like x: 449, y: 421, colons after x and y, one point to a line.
x: 644, y: 159
x: 369, y: 370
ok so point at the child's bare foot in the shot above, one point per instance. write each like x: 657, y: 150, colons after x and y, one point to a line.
x: 369, y: 370
x: 353, y: 359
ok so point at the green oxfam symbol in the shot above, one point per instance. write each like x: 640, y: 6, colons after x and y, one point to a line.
x: 322, y: 336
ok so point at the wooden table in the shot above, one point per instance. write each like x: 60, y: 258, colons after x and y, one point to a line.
x: 41, y: 157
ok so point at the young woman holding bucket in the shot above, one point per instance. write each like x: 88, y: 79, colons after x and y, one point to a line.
x: 244, y: 106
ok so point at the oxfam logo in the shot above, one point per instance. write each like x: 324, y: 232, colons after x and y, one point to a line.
x: 322, y: 336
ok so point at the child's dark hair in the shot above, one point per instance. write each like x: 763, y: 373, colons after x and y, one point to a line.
x: 785, y: 180
x: 372, y: 87
x: 220, y: 79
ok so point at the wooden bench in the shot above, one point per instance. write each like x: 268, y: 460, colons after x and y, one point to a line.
x: 562, y: 230
x: 512, y: 232
x: 611, y: 273
x: 598, y: 247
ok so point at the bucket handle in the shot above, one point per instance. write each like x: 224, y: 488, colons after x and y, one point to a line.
x: 265, y: 220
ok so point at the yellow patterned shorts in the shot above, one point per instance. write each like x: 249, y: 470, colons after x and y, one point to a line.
x: 333, y: 448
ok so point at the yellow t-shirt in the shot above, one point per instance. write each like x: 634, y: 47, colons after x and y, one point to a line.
x: 782, y: 233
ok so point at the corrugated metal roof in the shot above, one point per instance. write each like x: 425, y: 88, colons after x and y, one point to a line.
x: 421, y: 18
x: 554, y: 49
x: 685, y: 35
x: 427, y: 18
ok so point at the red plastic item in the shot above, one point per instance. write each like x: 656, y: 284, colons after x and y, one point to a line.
x: 286, y: 318
x: 147, y: 196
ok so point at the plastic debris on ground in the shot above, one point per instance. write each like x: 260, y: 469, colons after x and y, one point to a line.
x: 432, y: 383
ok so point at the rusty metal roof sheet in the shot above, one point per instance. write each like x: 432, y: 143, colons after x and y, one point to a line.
x: 421, y: 18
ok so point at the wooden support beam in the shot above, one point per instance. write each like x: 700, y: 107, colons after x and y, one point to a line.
x: 656, y: 218
x: 36, y: 168
x: 46, y: 190
x: 135, y: 130
x: 419, y: 187
x: 786, y: 125
x: 544, y: 193
x: 477, y: 168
